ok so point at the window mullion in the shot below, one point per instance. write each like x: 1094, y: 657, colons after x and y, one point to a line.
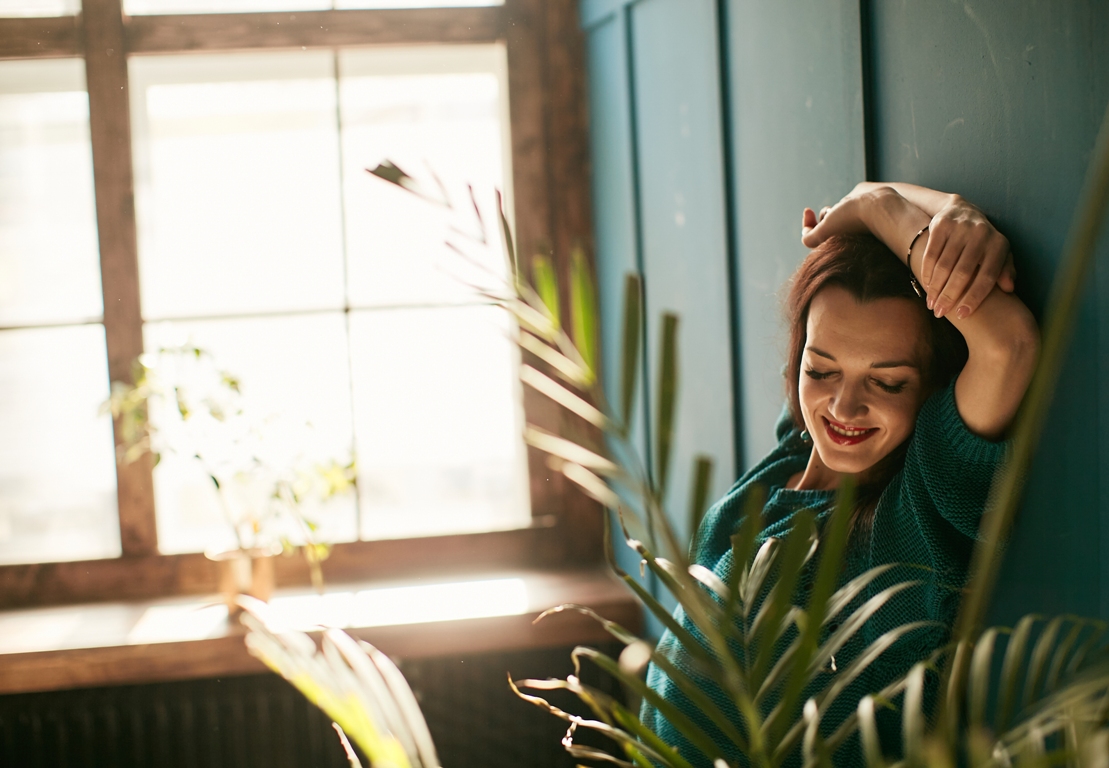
x: 110, y: 129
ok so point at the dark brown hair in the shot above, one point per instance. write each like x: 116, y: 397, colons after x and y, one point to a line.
x: 868, y: 270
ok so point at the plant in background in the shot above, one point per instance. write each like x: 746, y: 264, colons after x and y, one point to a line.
x: 181, y: 402
x: 355, y: 684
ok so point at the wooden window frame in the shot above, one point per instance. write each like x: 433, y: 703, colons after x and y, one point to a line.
x: 552, y: 212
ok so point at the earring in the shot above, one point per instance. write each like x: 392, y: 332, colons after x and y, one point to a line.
x: 805, y: 436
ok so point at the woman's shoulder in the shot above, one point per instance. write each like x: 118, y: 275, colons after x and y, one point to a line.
x: 948, y: 469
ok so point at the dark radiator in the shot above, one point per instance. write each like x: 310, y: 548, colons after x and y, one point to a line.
x: 260, y: 720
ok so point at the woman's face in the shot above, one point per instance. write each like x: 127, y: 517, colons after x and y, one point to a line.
x: 860, y: 386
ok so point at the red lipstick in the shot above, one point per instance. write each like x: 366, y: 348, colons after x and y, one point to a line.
x: 856, y: 435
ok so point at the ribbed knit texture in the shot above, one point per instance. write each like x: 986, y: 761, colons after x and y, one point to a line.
x: 927, y: 516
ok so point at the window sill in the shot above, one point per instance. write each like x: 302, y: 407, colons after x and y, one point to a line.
x: 91, y: 645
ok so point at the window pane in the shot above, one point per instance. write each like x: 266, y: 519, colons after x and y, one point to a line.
x: 137, y: 7
x: 57, y: 464
x: 49, y: 259
x: 441, y: 108
x: 438, y: 422
x: 296, y: 415
x: 39, y: 7
x: 237, y: 184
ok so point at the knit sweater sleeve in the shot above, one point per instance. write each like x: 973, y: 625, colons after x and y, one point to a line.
x: 948, y: 467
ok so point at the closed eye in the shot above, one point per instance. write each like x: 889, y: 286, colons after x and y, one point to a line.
x: 893, y: 389
x: 812, y: 373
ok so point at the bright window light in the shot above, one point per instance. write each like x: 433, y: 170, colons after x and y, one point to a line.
x: 328, y: 292
x: 40, y: 8
x: 419, y: 604
x: 139, y: 7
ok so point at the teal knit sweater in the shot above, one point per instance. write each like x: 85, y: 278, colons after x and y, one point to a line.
x: 928, y: 515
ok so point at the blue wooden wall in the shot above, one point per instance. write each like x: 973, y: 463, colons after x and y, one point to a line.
x: 715, y: 121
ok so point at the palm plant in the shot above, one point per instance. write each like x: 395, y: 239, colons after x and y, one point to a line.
x: 355, y: 684
x: 1041, y: 697
x: 1051, y: 702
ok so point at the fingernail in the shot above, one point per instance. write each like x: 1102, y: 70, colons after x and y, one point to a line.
x: 962, y: 313
x: 931, y: 303
x: 939, y: 312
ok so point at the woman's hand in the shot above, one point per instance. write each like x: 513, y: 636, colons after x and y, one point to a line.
x: 964, y: 259
x: 849, y: 215
x: 965, y: 255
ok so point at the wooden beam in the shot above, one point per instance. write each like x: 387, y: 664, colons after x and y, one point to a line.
x: 69, y: 662
x: 311, y: 29
x: 154, y: 576
x: 41, y: 38
x: 528, y: 109
x: 110, y: 130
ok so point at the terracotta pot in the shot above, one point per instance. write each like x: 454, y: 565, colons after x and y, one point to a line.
x: 245, y: 572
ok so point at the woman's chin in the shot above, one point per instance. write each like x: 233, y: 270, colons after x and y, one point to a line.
x: 846, y: 461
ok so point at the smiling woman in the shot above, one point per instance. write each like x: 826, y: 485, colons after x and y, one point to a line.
x: 912, y: 405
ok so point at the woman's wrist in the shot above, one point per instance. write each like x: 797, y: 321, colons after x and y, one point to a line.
x: 893, y: 219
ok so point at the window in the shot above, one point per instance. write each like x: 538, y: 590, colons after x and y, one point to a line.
x: 208, y: 182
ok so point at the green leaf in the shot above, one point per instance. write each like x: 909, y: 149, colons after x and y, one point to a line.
x: 1089, y: 644
x: 767, y: 625
x: 583, y: 309
x: 743, y: 543
x: 1041, y: 654
x: 667, y: 394
x: 692, y: 647
x: 1062, y: 652
x: 664, y: 755
x: 569, y: 370
x: 509, y: 242
x: 752, y: 582
x: 679, y: 719
x: 546, y: 285
x: 698, y: 498
x: 1011, y: 668
x: 979, y: 684
x: 868, y: 732
x: 629, y: 353
x: 388, y: 171
x: 831, y: 563
x: 544, y: 384
x: 912, y: 712
x: 813, y: 749
x: 569, y: 450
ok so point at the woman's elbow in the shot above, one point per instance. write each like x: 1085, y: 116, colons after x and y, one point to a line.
x: 1015, y: 344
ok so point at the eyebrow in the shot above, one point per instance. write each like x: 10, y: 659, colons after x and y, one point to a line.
x: 883, y: 364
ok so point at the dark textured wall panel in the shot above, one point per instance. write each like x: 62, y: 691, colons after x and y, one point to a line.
x: 1001, y: 102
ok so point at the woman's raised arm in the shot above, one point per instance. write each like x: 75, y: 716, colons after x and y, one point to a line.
x: 956, y: 226
x: 1001, y: 335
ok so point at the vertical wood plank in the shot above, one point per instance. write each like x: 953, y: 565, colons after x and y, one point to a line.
x: 110, y: 125
x: 528, y: 110
x: 684, y: 229
x: 568, y: 168
x: 797, y: 139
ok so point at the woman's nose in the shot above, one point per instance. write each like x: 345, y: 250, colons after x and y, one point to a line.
x: 849, y: 403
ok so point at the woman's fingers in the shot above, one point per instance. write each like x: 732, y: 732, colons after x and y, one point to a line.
x: 1008, y: 279
x: 996, y: 264
x: 943, y: 264
x: 960, y: 277
x: 987, y: 277
x: 808, y: 221
x: 813, y: 229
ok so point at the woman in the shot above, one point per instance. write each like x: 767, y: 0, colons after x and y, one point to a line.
x: 908, y: 359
